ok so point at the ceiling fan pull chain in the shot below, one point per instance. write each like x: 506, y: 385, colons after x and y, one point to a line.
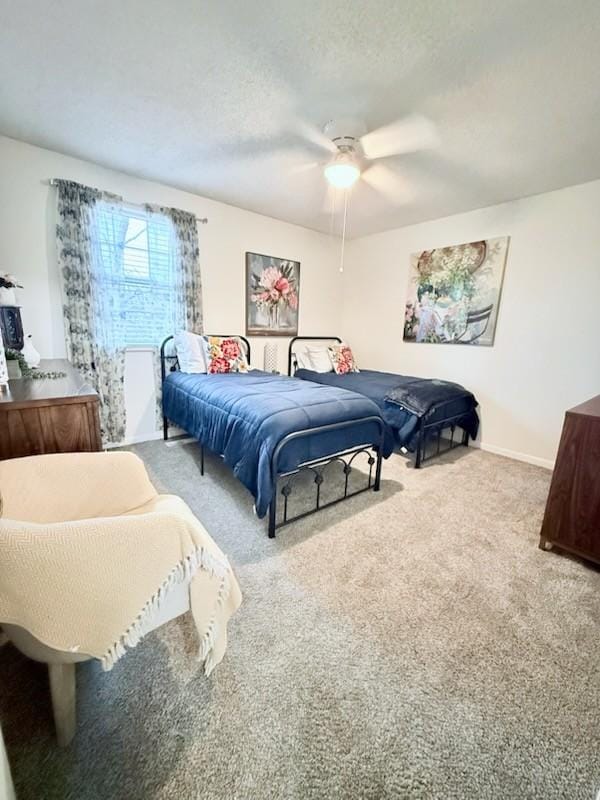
x: 332, y: 216
x: 346, y: 192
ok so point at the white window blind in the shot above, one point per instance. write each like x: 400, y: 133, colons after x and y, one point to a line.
x: 135, y: 275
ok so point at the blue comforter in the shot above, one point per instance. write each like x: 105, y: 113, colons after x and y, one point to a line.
x: 244, y: 416
x: 378, y: 385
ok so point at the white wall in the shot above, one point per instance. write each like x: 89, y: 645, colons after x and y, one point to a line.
x: 28, y: 249
x: 546, y: 355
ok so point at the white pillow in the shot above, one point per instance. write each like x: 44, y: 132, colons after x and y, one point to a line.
x: 302, y: 360
x: 190, y: 352
x: 320, y: 358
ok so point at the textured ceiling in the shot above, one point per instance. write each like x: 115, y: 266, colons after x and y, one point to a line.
x: 212, y: 97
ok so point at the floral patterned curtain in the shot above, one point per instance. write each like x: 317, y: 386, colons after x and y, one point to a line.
x: 188, y: 283
x: 90, y: 346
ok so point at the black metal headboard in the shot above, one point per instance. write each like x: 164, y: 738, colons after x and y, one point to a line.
x: 292, y: 355
x: 174, y: 361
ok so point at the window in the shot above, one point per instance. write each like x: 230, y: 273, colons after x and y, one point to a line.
x: 135, y: 275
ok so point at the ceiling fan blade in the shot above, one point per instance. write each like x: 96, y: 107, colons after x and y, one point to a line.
x: 301, y: 169
x: 388, y: 184
x: 316, y: 137
x: 406, y: 135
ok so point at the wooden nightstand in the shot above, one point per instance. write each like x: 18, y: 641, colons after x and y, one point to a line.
x: 49, y: 415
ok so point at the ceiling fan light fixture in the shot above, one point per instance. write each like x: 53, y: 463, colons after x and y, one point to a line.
x: 343, y: 171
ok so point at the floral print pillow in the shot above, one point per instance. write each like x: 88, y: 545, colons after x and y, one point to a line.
x: 342, y: 359
x: 224, y: 355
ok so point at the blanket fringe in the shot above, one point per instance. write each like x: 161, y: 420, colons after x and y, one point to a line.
x: 206, y: 651
x: 184, y: 571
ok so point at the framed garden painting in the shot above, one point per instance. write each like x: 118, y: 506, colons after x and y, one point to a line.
x: 454, y: 293
x: 272, y: 295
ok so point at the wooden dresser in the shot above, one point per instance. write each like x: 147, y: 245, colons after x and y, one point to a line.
x: 572, y: 518
x: 49, y: 415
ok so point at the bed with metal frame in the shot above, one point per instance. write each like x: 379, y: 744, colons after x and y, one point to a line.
x: 374, y: 451
x: 427, y: 440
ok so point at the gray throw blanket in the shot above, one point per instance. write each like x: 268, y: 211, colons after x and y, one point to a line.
x: 423, y: 396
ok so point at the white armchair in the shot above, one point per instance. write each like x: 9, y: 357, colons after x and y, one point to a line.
x: 92, y: 559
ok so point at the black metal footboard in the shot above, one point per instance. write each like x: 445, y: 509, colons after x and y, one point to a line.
x: 317, y: 467
x: 373, y: 450
x: 432, y: 433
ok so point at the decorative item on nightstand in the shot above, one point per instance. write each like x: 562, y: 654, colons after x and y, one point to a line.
x: 3, y: 367
x: 13, y: 364
x: 8, y: 284
x: 31, y: 355
x: 11, y: 327
x: 270, y: 359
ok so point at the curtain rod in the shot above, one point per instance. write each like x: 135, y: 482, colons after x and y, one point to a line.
x: 201, y: 220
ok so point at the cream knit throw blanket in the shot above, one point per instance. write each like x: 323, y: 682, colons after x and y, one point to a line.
x: 89, y: 553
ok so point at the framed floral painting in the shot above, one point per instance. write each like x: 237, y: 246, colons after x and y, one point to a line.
x: 454, y: 293
x: 272, y: 295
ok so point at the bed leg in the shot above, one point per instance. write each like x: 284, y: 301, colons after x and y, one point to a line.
x: 418, y: 458
x: 165, y: 428
x: 201, y: 459
x: 377, y: 484
x: 465, y: 438
x: 272, y: 516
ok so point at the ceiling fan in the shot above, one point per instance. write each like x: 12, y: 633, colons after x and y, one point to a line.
x: 353, y: 148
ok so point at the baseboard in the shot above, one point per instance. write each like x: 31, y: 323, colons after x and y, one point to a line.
x: 142, y: 437
x: 145, y: 437
x: 489, y: 448
x: 503, y: 451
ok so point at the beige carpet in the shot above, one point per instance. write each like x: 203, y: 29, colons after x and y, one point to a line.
x: 411, y: 644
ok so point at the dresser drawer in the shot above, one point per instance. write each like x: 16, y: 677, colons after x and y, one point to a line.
x: 56, y: 428
x: 572, y: 517
x: 53, y: 415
